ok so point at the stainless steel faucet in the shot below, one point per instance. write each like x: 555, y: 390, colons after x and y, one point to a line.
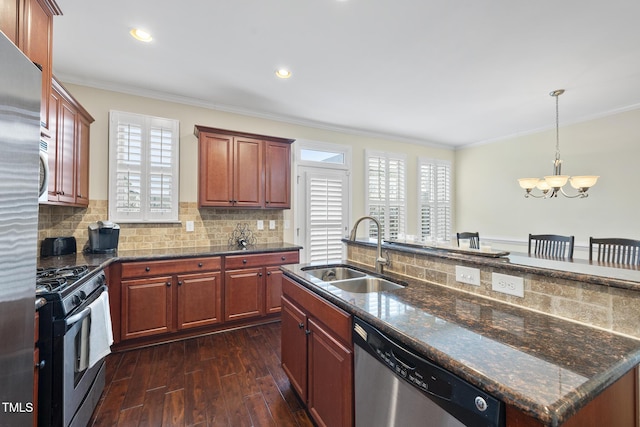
x: 380, y: 260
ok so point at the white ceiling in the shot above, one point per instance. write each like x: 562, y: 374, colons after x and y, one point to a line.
x: 444, y: 72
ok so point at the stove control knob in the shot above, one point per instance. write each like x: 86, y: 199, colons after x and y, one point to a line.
x: 83, y: 295
x: 76, y: 300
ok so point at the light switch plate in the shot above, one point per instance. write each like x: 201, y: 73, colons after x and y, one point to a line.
x: 468, y: 275
x: 189, y: 226
x: 260, y: 225
x: 272, y: 225
x: 511, y: 285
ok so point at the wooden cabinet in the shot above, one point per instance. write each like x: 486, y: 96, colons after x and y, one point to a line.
x: 69, y: 149
x: 243, y: 294
x: 159, y: 297
x: 317, y: 354
x: 29, y: 25
x: 243, y: 170
x: 253, y: 284
x: 277, y: 175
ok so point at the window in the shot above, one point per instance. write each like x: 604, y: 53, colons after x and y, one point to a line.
x: 386, y: 198
x: 434, y: 199
x: 143, y: 168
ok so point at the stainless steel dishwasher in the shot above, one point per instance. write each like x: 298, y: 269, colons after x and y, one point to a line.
x: 395, y: 387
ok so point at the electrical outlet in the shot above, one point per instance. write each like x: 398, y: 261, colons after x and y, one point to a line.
x: 506, y: 284
x: 260, y: 225
x: 468, y: 275
x: 189, y: 226
x: 272, y: 225
x: 287, y: 224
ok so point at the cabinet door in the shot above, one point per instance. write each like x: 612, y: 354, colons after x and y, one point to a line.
x: 294, y: 347
x: 52, y: 148
x: 199, y: 300
x: 277, y: 175
x: 330, y: 378
x: 248, y: 173
x: 66, y: 143
x: 243, y: 294
x: 216, y: 170
x: 9, y: 19
x: 82, y: 162
x: 273, y: 290
x: 146, y: 307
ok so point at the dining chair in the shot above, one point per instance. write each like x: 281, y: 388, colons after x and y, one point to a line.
x: 551, y: 245
x: 474, y: 239
x: 619, y: 251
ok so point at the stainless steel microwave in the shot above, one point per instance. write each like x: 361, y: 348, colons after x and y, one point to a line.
x: 43, y: 193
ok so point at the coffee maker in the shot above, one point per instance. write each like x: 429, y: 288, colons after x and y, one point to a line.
x: 103, y: 237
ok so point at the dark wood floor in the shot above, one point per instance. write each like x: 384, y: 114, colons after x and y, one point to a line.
x: 232, y: 379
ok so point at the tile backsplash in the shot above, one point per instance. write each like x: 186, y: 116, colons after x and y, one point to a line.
x: 605, y: 307
x: 212, y: 226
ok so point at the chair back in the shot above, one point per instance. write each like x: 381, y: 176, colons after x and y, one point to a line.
x: 551, y: 245
x: 618, y: 251
x: 474, y: 239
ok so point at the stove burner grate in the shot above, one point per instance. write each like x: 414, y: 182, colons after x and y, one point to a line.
x: 56, y: 279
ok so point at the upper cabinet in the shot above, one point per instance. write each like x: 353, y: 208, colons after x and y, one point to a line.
x: 64, y: 122
x: 29, y: 25
x: 68, y: 149
x: 243, y: 170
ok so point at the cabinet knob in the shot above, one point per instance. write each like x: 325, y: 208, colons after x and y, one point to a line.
x: 268, y: 273
x: 41, y: 365
x: 199, y: 264
x: 244, y: 261
x: 179, y: 282
x: 267, y: 202
x: 283, y: 258
x: 168, y: 284
x: 300, y: 325
x: 259, y: 274
x: 147, y: 269
x: 307, y: 332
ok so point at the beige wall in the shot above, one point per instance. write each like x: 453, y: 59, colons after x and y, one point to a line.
x: 99, y: 102
x: 490, y: 201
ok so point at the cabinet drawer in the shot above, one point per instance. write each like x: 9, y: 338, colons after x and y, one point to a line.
x: 333, y: 317
x: 261, y: 260
x: 177, y: 266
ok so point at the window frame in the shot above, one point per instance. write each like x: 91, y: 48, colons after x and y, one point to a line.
x: 387, y: 156
x: 436, y: 204
x: 147, y: 123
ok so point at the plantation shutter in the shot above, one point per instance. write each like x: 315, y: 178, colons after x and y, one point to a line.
x: 143, y: 167
x: 326, y: 219
x: 435, y: 200
x: 386, y: 195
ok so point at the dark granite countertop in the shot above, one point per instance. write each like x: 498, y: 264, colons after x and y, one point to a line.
x: 599, y: 273
x: 102, y: 260
x: 546, y: 367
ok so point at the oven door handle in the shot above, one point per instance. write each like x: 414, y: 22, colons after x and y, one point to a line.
x: 77, y: 317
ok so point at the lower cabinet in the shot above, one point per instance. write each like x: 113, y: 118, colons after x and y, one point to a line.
x: 166, y: 299
x: 317, y: 355
x: 164, y: 303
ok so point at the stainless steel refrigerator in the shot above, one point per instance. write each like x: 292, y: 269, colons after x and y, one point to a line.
x: 20, y: 85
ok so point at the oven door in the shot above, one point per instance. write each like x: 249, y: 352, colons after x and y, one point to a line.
x: 79, y: 379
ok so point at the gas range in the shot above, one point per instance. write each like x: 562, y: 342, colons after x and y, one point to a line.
x: 66, y: 288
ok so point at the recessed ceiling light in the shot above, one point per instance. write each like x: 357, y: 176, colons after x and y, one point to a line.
x: 141, y: 35
x: 283, y: 73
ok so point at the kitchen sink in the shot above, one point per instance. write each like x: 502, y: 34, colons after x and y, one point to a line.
x: 335, y: 273
x: 366, y: 284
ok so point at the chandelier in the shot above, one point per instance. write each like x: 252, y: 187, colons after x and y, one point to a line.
x: 551, y: 185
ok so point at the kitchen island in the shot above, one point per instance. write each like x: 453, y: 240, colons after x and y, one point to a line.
x: 545, y: 369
